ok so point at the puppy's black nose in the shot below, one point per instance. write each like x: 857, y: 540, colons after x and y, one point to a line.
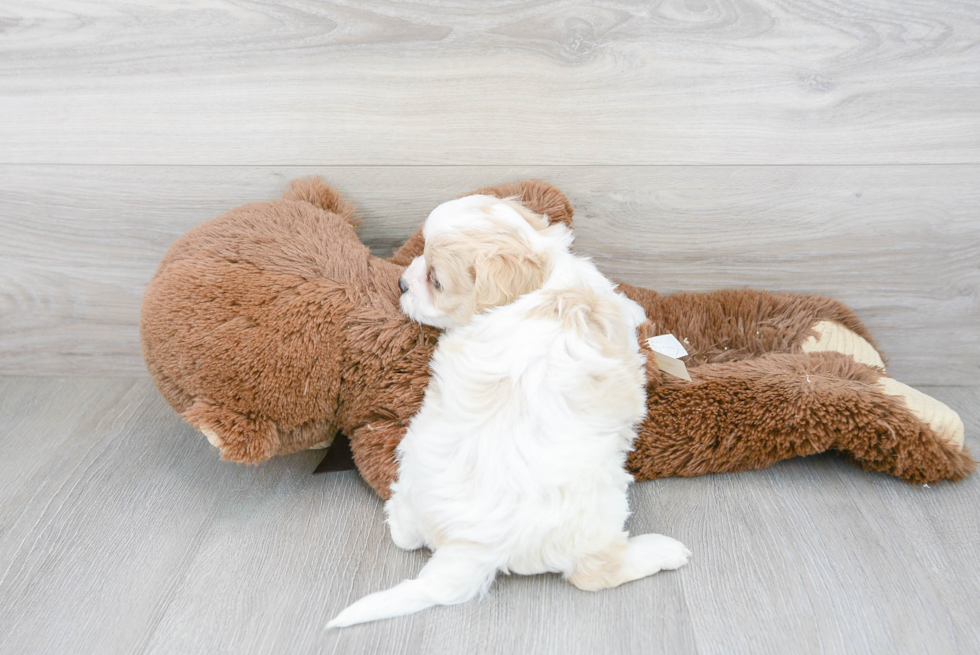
x: 402, y: 284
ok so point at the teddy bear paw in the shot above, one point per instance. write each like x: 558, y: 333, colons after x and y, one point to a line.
x: 240, y: 438
x: 212, y: 437
x: 944, y: 421
x: 834, y: 337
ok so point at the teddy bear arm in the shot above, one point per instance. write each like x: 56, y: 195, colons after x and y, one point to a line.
x: 373, y: 448
x: 750, y: 414
x: 240, y: 438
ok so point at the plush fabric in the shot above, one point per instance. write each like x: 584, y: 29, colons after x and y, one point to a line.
x: 272, y: 327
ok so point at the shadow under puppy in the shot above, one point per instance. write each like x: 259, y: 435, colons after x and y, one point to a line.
x: 515, y: 461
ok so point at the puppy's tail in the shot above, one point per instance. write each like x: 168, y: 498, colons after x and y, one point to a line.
x: 455, y: 574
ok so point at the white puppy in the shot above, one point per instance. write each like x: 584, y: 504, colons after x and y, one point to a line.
x: 515, y: 460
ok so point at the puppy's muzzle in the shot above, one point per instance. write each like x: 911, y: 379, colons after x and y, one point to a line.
x: 402, y: 284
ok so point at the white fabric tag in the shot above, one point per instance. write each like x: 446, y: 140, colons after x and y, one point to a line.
x: 668, y: 351
x: 667, y: 344
x: 675, y: 367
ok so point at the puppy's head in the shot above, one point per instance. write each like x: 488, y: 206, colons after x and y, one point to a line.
x: 480, y: 252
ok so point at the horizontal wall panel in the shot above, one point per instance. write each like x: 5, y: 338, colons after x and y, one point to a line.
x: 519, y: 83
x: 900, y: 244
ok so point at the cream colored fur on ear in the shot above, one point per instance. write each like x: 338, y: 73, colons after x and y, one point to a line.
x: 478, y: 270
x: 506, y: 272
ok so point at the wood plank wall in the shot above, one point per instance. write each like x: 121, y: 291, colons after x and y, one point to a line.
x: 806, y: 145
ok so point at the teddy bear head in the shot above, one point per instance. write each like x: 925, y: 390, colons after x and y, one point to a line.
x: 272, y: 327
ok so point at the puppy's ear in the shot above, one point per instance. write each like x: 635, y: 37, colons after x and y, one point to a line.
x: 537, y: 221
x: 538, y: 196
x: 545, y: 226
x: 506, y: 272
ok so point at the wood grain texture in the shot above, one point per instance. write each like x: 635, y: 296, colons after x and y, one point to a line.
x: 900, y: 244
x: 516, y: 83
x: 810, y: 146
x: 121, y: 532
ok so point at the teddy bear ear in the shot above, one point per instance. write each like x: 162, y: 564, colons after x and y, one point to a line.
x: 317, y: 192
x: 410, y: 250
x: 538, y: 196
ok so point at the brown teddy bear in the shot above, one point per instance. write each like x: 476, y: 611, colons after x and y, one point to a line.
x: 272, y: 328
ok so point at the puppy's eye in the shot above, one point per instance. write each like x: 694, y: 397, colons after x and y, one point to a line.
x: 435, y: 282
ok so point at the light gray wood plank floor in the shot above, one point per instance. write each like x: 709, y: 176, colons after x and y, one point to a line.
x: 806, y: 145
x: 121, y: 532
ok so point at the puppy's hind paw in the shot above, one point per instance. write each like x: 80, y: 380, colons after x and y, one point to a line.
x: 401, y: 522
x: 633, y: 559
x: 650, y: 553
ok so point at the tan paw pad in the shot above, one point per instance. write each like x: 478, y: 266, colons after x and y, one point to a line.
x: 834, y: 337
x: 944, y: 422
x: 212, y: 437
x: 321, y: 445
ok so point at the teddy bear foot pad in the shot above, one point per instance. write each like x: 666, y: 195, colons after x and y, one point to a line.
x: 835, y: 337
x: 944, y: 421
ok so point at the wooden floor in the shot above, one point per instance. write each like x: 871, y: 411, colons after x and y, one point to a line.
x: 813, y: 146
x: 122, y: 532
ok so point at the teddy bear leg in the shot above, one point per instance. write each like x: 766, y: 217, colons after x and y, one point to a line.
x: 739, y: 324
x: 937, y: 415
x: 241, y: 439
x: 314, y: 434
x: 898, y: 438
x: 833, y: 337
x: 753, y: 413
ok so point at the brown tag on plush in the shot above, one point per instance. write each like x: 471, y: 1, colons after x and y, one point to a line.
x: 339, y: 456
x: 675, y: 367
